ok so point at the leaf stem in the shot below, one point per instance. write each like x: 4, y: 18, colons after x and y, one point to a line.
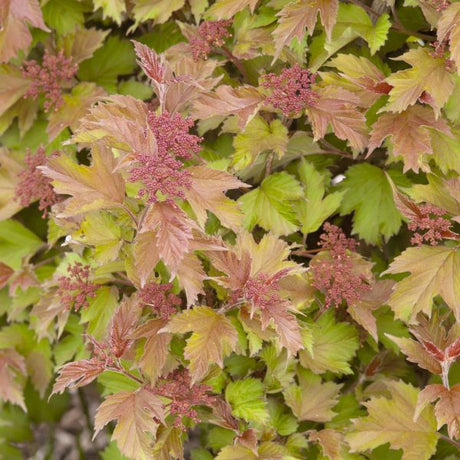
x: 398, y: 26
x: 445, y: 365
x: 231, y: 57
x: 130, y: 213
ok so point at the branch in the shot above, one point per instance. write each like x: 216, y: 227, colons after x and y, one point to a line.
x: 450, y: 441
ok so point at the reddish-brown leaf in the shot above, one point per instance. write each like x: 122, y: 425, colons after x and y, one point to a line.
x: 244, y: 102
x: 446, y: 410
x: 156, y: 348
x: 409, y: 132
x: 137, y: 414
x: 122, y: 326
x: 5, y: 274
x: 295, y: 17
x: 11, y: 364
x: 77, y: 374
x: 14, y: 33
x: 337, y: 107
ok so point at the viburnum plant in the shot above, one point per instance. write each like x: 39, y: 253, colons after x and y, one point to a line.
x: 230, y: 229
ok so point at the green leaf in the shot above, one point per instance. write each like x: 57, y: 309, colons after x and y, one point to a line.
x: 368, y: 193
x: 333, y: 346
x: 316, y: 208
x: 99, y: 229
x: 270, y: 205
x: 114, y: 382
x: 159, y: 10
x: 64, y: 15
x: 377, y: 36
x: 312, y: 399
x: 247, y: 400
x: 100, y: 311
x: 135, y: 89
x: 16, y: 243
x: 116, y: 57
x: 259, y: 136
x: 111, y: 452
x: 111, y: 9
x: 392, y: 421
x: 281, y: 419
x: 162, y: 37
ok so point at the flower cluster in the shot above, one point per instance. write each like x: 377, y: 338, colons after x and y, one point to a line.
x: 334, y: 276
x: 210, y: 33
x: 163, y: 305
x: 75, y: 289
x: 429, y: 226
x: 177, y: 387
x: 34, y: 185
x: 291, y: 90
x: 55, y: 72
x: 262, y: 290
x: 162, y: 171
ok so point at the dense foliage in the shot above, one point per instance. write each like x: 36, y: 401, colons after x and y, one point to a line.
x: 230, y: 230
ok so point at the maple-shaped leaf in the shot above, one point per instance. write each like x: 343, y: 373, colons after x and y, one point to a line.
x: 390, y: 420
x: 77, y: 374
x: 213, y: 337
x: 361, y: 312
x: 13, y: 86
x: 416, y: 353
x: 14, y: 33
x: 9, y: 179
x: 191, y: 277
x: 159, y: 11
x: 434, y: 270
x: 337, y: 107
x: 332, y: 442
x: 116, y: 121
x: 74, y: 108
x: 446, y: 410
x: 247, y: 400
x: 81, y: 43
x: 91, y: 187
x: 12, y: 364
x: 266, y: 451
x: 113, y: 9
x: 271, y: 205
x: 358, y: 75
x: 329, y: 346
x: 168, y: 444
x: 226, y: 9
x: 207, y: 193
x: 316, y: 207
x: 448, y: 29
x: 136, y: 413
x: 410, y: 134
x: 368, y: 194
x: 312, y: 399
x: 428, y: 75
x: 259, y: 136
x: 172, y: 232
x: 121, y: 330
x: 299, y: 15
x: 156, y: 347
x: 244, y: 102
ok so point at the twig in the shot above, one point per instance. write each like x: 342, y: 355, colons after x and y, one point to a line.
x: 84, y: 408
x: 450, y: 441
x: 398, y: 26
x: 231, y: 57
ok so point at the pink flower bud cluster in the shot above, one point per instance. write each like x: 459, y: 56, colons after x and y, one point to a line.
x: 75, y: 289
x: 55, y: 72
x: 335, y: 276
x: 178, y: 387
x: 34, y: 185
x: 162, y: 171
x: 261, y: 291
x: 210, y: 33
x: 163, y: 305
x: 430, y: 226
x: 291, y: 90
